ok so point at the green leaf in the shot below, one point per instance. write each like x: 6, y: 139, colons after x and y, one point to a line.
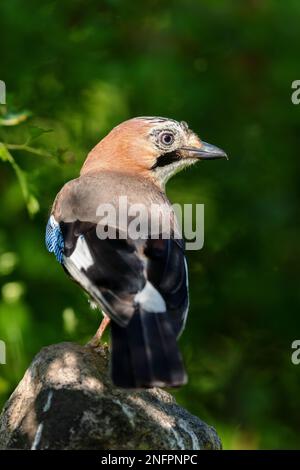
x: 35, y: 132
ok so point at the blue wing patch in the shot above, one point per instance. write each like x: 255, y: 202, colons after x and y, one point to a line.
x: 54, y: 239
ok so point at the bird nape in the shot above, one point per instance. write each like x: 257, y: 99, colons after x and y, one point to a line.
x: 136, y: 273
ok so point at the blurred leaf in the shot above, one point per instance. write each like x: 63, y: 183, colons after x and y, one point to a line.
x: 4, y: 153
x: 69, y: 320
x: 33, y: 205
x: 4, y: 385
x: 36, y: 132
x: 13, y: 119
x: 31, y: 202
x: 61, y: 154
x: 8, y: 262
x: 12, y: 292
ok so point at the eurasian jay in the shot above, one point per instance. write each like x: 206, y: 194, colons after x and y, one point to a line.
x: 140, y: 284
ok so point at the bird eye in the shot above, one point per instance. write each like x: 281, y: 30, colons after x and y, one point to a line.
x: 167, y: 138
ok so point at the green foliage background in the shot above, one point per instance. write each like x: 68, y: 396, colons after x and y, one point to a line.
x: 226, y: 67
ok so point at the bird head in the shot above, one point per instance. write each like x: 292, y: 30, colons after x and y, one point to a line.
x: 153, y: 147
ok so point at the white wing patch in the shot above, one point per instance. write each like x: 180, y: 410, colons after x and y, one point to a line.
x: 81, y: 256
x: 76, y: 265
x: 150, y: 299
x: 81, y: 259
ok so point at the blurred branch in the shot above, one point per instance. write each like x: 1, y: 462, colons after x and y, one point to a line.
x: 28, y: 148
x: 31, y: 202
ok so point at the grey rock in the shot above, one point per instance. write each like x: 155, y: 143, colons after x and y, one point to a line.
x: 67, y: 401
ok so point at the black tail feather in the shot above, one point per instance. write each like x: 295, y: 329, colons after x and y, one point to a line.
x: 145, y: 353
x: 121, y: 368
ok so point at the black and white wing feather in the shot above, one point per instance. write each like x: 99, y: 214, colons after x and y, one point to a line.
x: 142, y: 286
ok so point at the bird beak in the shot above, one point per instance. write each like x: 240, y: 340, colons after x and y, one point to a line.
x: 204, y: 152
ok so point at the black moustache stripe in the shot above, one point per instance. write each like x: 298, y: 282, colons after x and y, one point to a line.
x: 166, y: 159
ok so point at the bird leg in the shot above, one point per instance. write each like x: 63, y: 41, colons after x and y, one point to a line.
x: 96, y: 339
